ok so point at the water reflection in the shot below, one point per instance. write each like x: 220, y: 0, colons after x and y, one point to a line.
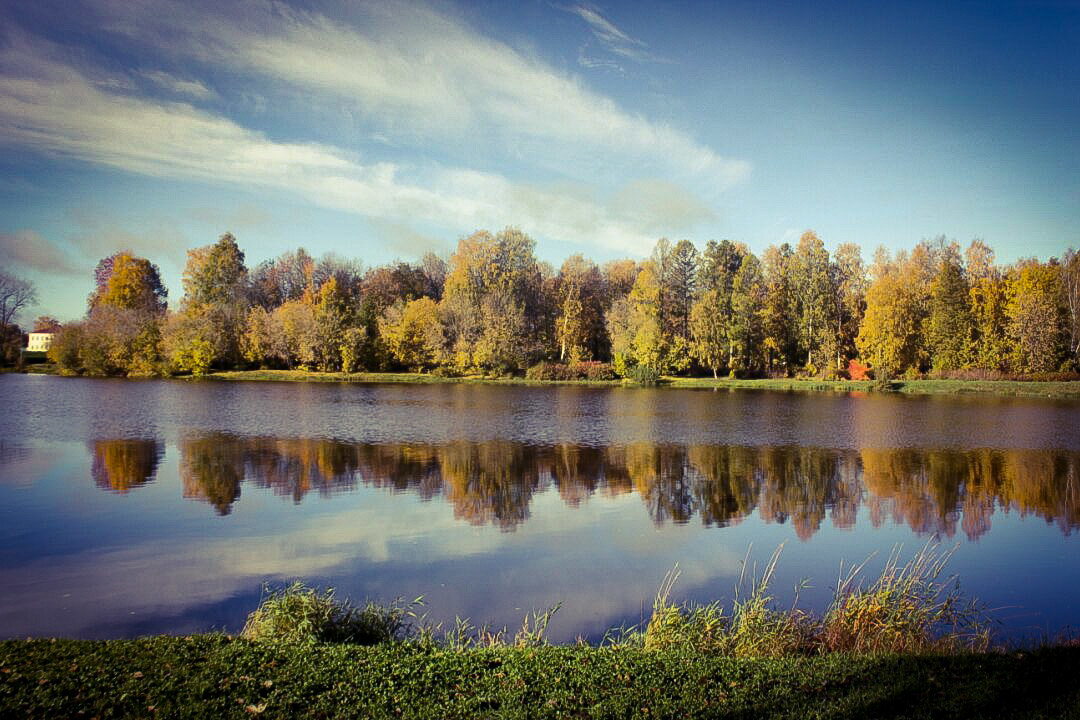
x: 494, y: 482
x: 212, y: 466
x: 122, y: 465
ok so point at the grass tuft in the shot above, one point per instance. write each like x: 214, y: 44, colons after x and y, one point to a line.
x: 693, y: 627
x: 758, y: 628
x: 301, y: 614
x: 910, y: 607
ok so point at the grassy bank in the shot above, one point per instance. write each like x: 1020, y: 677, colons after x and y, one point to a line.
x: 898, y: 647
x: 1007, y: 388
x: 218, y: 676
x: 1012, y: 388
x: 914, y: 387
x: 389, y: 377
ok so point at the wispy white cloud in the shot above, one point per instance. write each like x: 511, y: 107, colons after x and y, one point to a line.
x: 179, y: 86
x: 47, y: 104
x: 611, y: 37
x: 590, y: 62
x: 415, y: 74
x: 419, y: 78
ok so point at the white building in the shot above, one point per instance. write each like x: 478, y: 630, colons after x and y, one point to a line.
x: 40, y: 342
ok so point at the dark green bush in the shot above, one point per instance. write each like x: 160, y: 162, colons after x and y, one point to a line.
x: 644, y: 375
x: 592, y: 370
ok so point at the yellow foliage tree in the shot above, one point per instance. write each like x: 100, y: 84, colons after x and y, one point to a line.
x: 413, y: 333
x: 1035, y: 317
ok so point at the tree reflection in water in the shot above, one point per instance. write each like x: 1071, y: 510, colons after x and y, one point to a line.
x: 124, y: 464
x: 931, y: 491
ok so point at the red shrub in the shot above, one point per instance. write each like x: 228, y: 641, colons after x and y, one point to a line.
x: 858, y: 371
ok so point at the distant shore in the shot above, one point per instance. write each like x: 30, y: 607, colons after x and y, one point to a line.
x: 1002, y: 388
x: 914, y: 387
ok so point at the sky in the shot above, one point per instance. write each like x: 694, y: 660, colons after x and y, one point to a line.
x: 383, y: 130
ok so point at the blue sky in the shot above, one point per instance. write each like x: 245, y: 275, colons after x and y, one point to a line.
x: 383, y: 130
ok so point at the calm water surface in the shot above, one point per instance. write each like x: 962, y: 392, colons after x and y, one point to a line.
x: 131, y: 507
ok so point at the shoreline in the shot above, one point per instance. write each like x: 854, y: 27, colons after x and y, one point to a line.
x: 1065, y: 390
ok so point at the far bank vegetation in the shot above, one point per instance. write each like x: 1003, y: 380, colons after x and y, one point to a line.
x: 493, y: 309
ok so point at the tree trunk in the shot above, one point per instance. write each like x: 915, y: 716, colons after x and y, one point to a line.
x: 839, y: 329
x: 562, y: 345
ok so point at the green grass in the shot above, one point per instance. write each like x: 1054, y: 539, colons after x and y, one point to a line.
x: 222, y: 677
x: 386, y: 377
x: 1011, y: 388
x: 915, y: 387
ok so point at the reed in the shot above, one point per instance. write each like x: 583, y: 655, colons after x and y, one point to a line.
x: 909, y: 607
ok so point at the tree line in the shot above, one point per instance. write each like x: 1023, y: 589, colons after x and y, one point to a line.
x: 493, y: 308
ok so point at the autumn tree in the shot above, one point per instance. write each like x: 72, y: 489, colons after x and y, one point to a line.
x: 620, y: 335
x: 1035, y: 316
x: 493, y: 301
x: 747, y: 302
x: 848, y: 284
x: 1070, y: 283
x: 709, y: 332
x: 579, y: 323
x: 890, y: 332
x: 413, y: 333
x: 133, y: 283
x: 619, y: 277
x: 779, y: 309
x: 215, y: 275
x: 347, y: 274
x: 195, y: 338
x: 388, y: 284
x: 286, y: 277
x: 716, y: 273
x: 121, y: 334
x: 810, y: 284
x: 298, y: 341
x: 214, y: 308
x: 950, y: 325
x: 635, y: 325
x: 334, y: 313
x: 661, y: 264
x: 988, y: 297
x: 258, y: 341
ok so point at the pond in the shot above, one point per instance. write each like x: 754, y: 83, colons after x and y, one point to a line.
x: 136, y: 507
